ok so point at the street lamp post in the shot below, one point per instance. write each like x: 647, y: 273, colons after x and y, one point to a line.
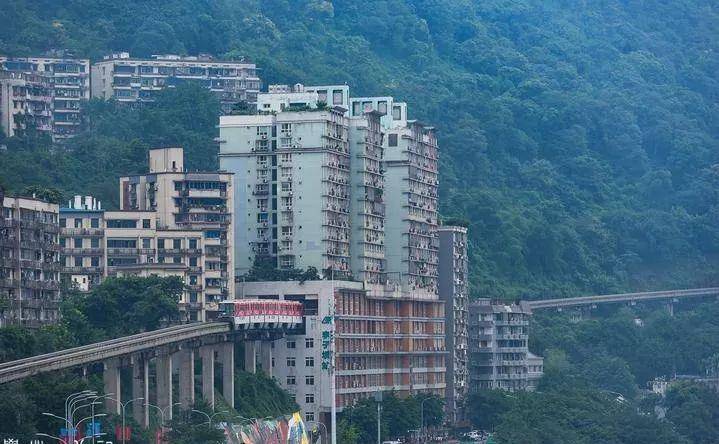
x: 45, y: 435
x: 92, y: 412
x: 123, y: 405
x: 70, y: 403
x: 161, y: 410
x: 209, y: 417
x: 421, y: 405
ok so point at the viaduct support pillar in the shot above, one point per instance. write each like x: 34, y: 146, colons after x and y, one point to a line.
x: 141, y: 389
x: 111, y: 378
x: 207, y: 353
x: 266, y: 357
x: 163, y: 365
x: 227, y: 359
x: 250, y: 356
x: 187, y: 378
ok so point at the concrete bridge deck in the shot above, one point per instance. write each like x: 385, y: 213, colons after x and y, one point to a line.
x: 624, y: 297
x: 101, y: 351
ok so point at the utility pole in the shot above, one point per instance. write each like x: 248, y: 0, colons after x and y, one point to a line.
x: 378, y: 399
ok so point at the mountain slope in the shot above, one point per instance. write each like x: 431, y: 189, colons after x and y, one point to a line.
x: 580, y: 139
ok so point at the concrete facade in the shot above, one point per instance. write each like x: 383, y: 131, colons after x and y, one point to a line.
x: 45, y: 93
x: 292, y: 179
x: 453, y: 269
x: 367, y: 191
x: 29, y: 262
x: 191, y: 213
x: 128, y: 79
x: 499, y: 357
x: 384, y: 341
x: 82, y: 242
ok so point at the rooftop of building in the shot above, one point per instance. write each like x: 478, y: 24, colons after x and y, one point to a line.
x: 200, y: 58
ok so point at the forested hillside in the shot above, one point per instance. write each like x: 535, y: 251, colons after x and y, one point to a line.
x: 580, y: 139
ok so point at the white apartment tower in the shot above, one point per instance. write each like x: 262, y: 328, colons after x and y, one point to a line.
x: 293, y: 187
x: 411, y: 178
x: 367, y: 200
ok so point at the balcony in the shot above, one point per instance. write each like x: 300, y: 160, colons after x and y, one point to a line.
x: 40, y: 285
x: 83, y: 251
x: 82, y: 270
x: 83, y: 232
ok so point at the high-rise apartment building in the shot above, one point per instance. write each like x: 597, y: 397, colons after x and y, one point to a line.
x: 29, y: 262
x: 452, y: 273
x: 382, y: 343
x: 411, y: 181
x: 128, y: 79
x: 82, y: 243
x: 364, y: 194
x: 368, y: 205
x: 292, y: 179
x: 45, y: 91
x: 187, y: 202
x: 499, y: 357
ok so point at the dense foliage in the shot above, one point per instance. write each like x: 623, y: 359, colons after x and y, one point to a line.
x: 596, y: 375
x: 398, y: 417
x: 580, y: 140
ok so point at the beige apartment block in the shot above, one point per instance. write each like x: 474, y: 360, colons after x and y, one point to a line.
x: 184, y: 202
x: 126, y: 79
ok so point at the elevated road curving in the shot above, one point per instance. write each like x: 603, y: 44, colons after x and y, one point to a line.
x: 623, y: 297
x: 87, y: 354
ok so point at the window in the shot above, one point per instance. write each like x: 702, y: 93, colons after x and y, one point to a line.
x: 95, y: 222
x: 145, y: 223
x: 63, y: 222
x: 78, y: 222
x: 94, y: 243
x: 309, y: 361
x: 121, y: 223
x: 356, y: 108
x: 397, y: 113
x: 121, y: 243
x: 322, y: 95
x: 78, y: 261
x: 193, y: 262
x: 309, y: 380
x: 310, y: 398
x: 337, y: 97
x: 78, y: 242
x: 290, y: 361
x: 193, y: 243
x: 146, y: 243
x: 392, y: 140
x: 291, y: 380
x: 160, y: 244
x: 286, y: 187
x: 310, y: 416
x: 176, y: 244
x: 309, y: 342
x: 95, y: 261
x: 62, y: 241
x: 177, y: 260
x: 291, y: 344
x: 382, y: 107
